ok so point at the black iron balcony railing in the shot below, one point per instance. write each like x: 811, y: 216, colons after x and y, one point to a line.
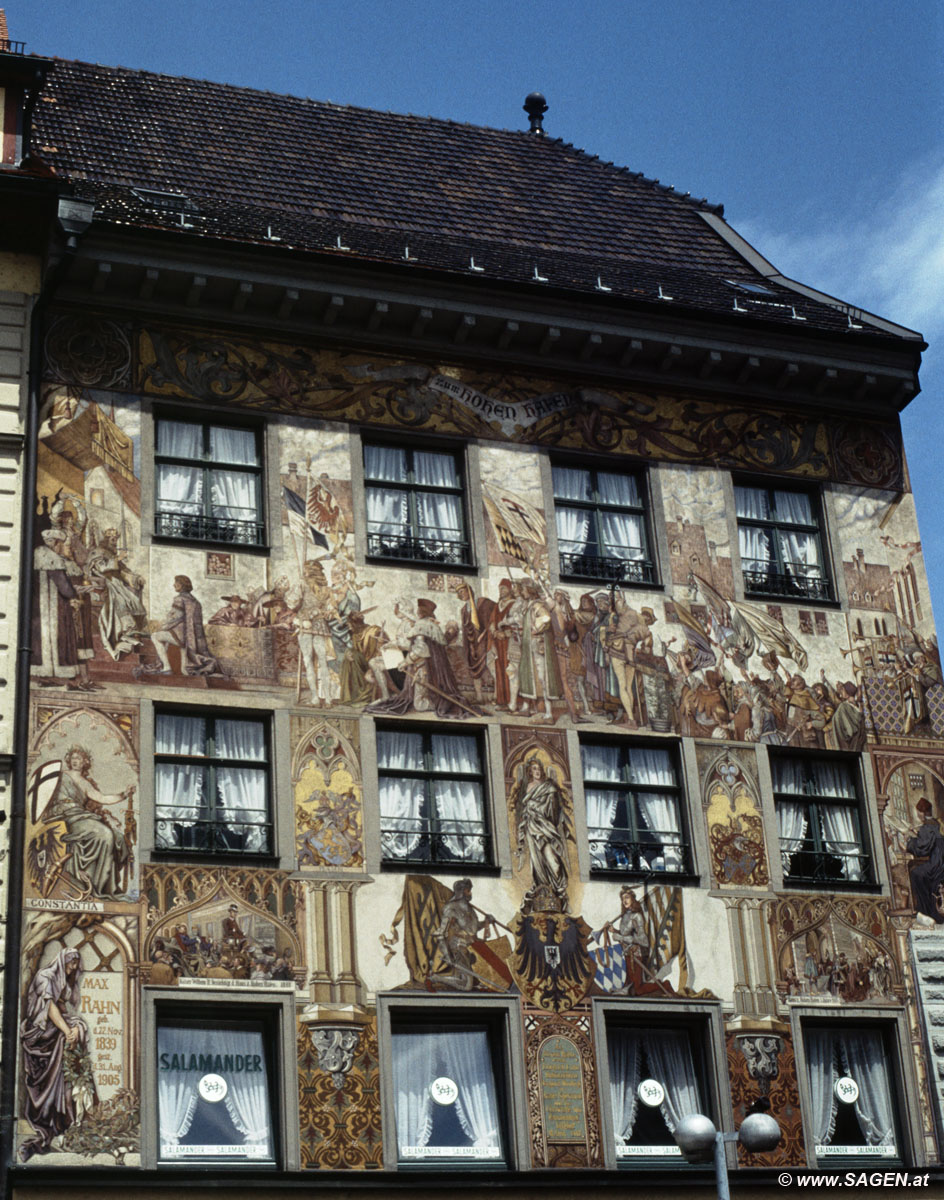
x: 209, y: 836
x: 796, y: 584
x: 414, y: 844
x: 846, y: 863
x: 621, y: 850
x: 405, y: 547
x: 209, y: 529
x: 613, y: 570
x: 7, y: 46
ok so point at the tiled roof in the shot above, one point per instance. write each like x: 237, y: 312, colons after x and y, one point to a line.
x: 265, y: 168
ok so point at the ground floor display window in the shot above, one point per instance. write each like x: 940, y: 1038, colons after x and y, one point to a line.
x: 852, y: 1096
x: 215, y: 1091
x: 656, y: 1079
x: 448, y: 1093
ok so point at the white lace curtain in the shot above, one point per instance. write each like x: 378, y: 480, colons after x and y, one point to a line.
x: 247, y: 1096
x: 821, y: 780
x: 621, y: 533
x: 793, y: 823
x: 438, y: 515
x: 401, y: 800
x: 458, y: 804
x: 622, y: 1048
x: 862, y: 1055
x: 658, y: 810
x: 419, y: 1057
x: 179, y: 787
x: 180, y: 488
x: 243, y: 790
x: 799, y: 550
x: 669, y: 1056
x: 234, y: 494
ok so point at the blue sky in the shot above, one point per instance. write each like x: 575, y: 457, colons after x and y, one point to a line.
x: 819, y: 125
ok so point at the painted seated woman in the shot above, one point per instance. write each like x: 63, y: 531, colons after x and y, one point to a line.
x: 97, y: 847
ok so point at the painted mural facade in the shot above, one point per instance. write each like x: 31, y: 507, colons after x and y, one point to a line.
x: 323, y: 645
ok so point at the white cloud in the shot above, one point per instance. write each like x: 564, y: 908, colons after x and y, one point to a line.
x: 886, y: 255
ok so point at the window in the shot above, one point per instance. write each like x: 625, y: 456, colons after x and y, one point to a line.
x: 211, y: 784
x: 601, y: 525
x: 657, y: 1076
x: 634, y: 820
x: 216, y: 1086
x: 209, y: 483
x: 780, y: 543
x: 449, y: 1091
x: 415, y: 506
x: 432, y: 798
x: 851, y: 1113
x: 818, y: 813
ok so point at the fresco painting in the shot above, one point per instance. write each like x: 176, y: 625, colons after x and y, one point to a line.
x: 79, y: 1017
x: 215, y: 924
x: 833, y: 949
x: 124, y: 619
x: 731, y: 800
x: 329, y: 819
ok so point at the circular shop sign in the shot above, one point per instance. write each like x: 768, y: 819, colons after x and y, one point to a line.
x: 651, y: 1092
x: 847, y: 1090
x: 443, y: 1090
x: 212, y: 1088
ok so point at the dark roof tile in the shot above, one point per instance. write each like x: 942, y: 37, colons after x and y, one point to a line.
x: 313, y: 170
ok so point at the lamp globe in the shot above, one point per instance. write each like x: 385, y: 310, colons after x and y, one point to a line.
x: 759, y: 1132
x: 696, y: 1137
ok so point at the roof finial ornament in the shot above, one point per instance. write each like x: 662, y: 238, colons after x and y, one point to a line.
x: 535, y: 106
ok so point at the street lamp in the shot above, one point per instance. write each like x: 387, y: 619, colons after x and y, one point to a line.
x: 699, y: 1141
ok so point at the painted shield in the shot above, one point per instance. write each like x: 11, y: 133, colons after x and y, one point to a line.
x: 551, y: 965
x: 609, y: 962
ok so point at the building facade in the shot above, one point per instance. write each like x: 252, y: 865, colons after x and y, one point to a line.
x: 485, y: 704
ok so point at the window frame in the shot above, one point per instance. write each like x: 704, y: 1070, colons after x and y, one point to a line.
x: 597, y: 573
x: 701, y: 1018
x: 688, y: 872
x: 488, y: 834
x: 501, y: 1017
x: 207, y: 529
x: 787, y: 589
x: 815, y: 803
x: 893, y: 1024
x: 411, y: 542
x: 277, y: 1014
x: 229, y: 857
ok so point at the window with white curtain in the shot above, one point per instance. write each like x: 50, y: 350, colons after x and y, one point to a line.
x: 208, y: 483
x: 645, y: 1117
x: 634, y: 809
x: 780, y: 543
x: 215, y: 1090
x: 415, y: 505
x: 211, y: 783
x: 448, y: 1082
x: 857, y: 1119
x: 601, y: 525
x: 432, y: 797
x: 819, y: 815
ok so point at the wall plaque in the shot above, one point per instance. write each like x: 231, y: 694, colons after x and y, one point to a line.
x: 562, y: 1090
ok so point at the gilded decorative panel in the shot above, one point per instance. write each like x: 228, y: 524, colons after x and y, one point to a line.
x: 340, y: 1125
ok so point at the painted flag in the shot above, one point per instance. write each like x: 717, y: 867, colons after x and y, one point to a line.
x: 297, y: 519
x: 665, y: 927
